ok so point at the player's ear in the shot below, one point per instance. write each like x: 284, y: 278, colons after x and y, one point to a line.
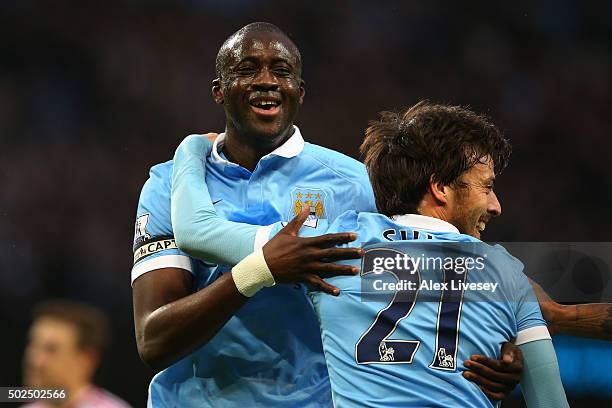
x: 217, y: 93
x: 302, y: 91
x: 439, y: 191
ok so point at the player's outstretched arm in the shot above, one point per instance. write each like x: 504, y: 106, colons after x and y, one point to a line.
x: 198, y: 230
x: 171, y: 321
x: 593, y: 320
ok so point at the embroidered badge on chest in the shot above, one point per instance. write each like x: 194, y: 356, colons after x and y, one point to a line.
x: 312, y: 198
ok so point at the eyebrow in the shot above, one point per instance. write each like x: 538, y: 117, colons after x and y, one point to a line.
x: 246, y: 59
x: 274, y: 63
x: 277, y: 60
x: 251, y: 58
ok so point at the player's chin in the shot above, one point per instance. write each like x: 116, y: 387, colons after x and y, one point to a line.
x: 269, y: 130
x: 474, y: 231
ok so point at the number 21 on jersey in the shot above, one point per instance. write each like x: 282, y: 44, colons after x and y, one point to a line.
x: 375, y: 347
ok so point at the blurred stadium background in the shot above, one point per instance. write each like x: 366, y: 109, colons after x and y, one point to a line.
x: 94, y: 93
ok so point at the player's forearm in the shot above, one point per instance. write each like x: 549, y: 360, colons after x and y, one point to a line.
x: 216, y: 240
x: 198, y: 230
x: 176, y: 329
x: 541, y: 380
x: 584, y: 320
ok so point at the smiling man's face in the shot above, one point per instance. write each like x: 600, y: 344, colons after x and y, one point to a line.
x: 473, y: 201
x: 260, y: 86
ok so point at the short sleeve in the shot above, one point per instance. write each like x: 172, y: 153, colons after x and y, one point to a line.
x: 154, y: 245
x: 531, y: 326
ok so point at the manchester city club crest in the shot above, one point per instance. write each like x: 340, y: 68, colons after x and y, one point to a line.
x: 314, y: 199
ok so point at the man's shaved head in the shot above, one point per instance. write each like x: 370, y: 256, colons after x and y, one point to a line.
x: 233, y: 40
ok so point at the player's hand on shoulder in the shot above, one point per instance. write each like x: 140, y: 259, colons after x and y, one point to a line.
x: 293, y: 259
x: 211, y: 137
x: 496, y: 378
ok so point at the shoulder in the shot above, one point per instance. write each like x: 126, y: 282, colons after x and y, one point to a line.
x: 363, y: 223
x: 159, y: 182
x: 504, y: 256
x: 153, y: 211
x: 505, y: 268
x: 345, y: 173
x: 162, y: 173
x: 496, y: 253
x: 347, y: 221
x: 339, y: 163
x: 370, y: 219
x: 497, y: 256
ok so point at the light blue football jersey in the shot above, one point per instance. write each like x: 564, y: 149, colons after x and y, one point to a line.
x: 403, y: 346
x: 269, y: 354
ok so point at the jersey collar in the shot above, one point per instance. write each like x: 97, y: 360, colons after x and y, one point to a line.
x: 424, y: 222
x: 291, y: 148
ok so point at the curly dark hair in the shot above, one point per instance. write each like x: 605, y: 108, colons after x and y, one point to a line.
x: 404, y: 151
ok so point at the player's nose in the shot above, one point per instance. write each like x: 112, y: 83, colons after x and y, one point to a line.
x: 493, y: 205
x: 265, y: 79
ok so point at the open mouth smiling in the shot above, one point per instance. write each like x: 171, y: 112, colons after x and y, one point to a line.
x: 265, y: 105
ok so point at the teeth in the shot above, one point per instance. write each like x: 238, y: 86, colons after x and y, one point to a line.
x: 265, y: 103
x: 481, y: 226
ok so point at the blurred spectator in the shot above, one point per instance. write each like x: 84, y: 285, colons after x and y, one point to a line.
x: 65, y: 346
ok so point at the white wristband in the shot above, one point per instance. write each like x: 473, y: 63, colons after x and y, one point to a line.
x: 252, y: 274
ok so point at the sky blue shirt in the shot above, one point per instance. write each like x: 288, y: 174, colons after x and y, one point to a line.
x: 403, y: 348
x: 269, y: 354
x: 510, y: 312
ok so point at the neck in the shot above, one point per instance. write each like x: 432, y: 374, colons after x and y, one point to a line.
x: 429, y: 207
x: 246, y: 150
